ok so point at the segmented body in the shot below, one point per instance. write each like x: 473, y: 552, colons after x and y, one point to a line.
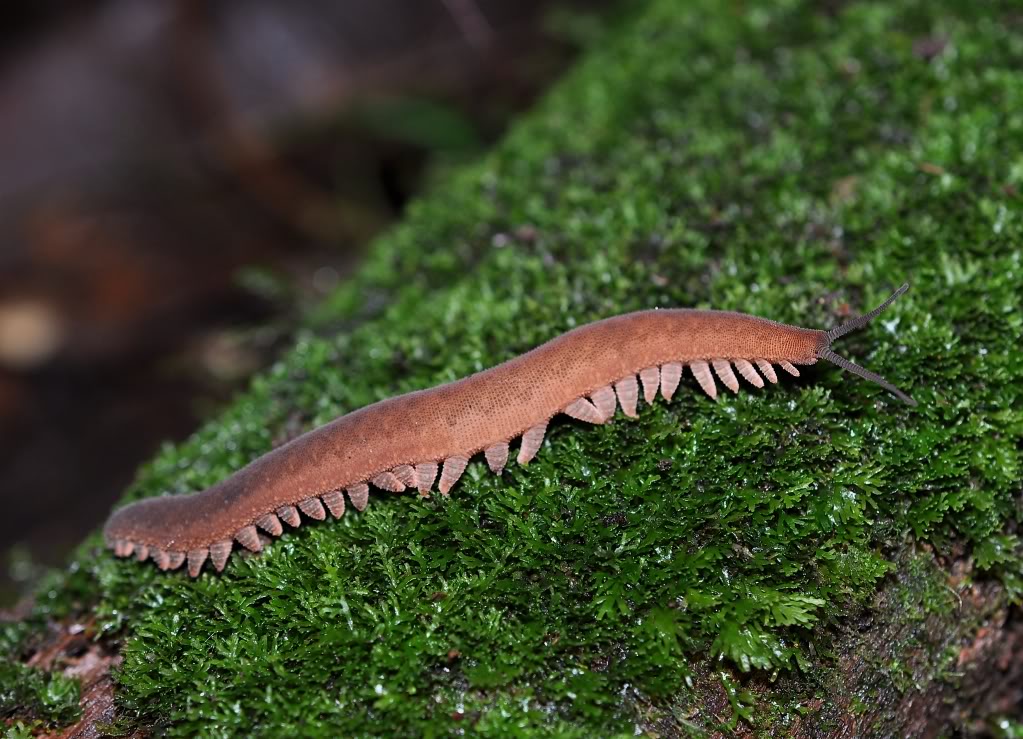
x: 412, y: 440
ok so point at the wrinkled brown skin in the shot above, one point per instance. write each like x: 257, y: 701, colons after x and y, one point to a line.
x: 462, y: 417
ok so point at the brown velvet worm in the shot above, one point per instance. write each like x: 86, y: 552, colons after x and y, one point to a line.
x: 404, y: 442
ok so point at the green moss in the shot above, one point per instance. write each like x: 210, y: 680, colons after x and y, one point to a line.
x: 1006, y: 728
x: 773, y: 158
x: 44, y: 699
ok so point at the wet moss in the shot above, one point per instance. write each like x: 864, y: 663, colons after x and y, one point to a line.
x: 784, y: 159
x: 39, y: 699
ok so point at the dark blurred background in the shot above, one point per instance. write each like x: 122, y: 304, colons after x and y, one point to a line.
x: 181, y: 179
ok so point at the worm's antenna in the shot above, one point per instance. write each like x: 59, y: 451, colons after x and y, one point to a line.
x: 865, y: 374
x: 826, y: 353
x: 866, y: 318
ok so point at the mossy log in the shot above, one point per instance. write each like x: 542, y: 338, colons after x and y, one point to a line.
x: 813, y: 559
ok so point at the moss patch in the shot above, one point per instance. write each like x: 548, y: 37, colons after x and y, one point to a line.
x: 42, y: 699
x: 782, y: 159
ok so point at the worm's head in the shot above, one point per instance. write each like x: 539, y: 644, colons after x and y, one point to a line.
x: 825, y: 352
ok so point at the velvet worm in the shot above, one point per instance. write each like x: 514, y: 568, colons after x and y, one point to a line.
x: 425, y: 439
